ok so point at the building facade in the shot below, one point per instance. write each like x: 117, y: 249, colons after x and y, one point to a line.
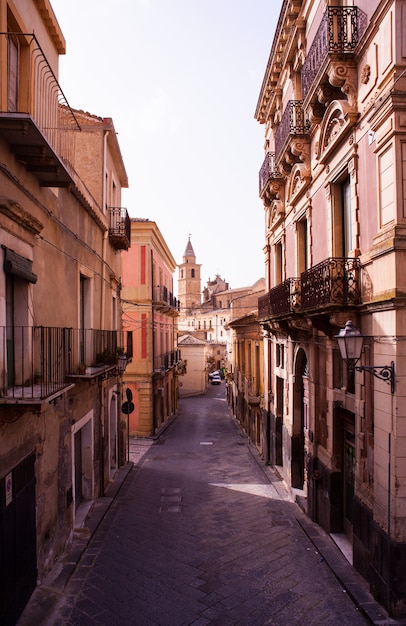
x: 245, y: 381
x: 193, y: 379
x: 60, y: 327
x: 332, y: 183
x: 150, y: 312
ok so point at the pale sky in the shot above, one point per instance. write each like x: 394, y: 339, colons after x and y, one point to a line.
x: 181, y: 80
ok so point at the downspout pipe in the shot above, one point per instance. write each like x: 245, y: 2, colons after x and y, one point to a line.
x: 153, y: 343
x: 105, y: 236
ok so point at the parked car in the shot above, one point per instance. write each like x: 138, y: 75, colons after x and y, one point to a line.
x: 215, y: 379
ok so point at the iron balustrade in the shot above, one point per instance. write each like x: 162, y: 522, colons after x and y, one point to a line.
x: 340, y: 30
x: 285, y: 298
x: 268, y: 171
x: 334, y: 281
x: 293, y: 123
x: 163, y: 295
x: 282, y: 299
x: 39, y: 94
x: 164, y: 362
x: 264, y: 306
x: 119, y: 227
x: 36, y: 360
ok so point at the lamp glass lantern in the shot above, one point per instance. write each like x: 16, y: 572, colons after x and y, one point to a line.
x: 121, y: 363
x: 350, y: 341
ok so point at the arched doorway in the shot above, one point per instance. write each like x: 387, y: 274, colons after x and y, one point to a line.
x: 300, y: 419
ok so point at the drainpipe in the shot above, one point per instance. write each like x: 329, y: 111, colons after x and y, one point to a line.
x: 105, y: 235
x: 153, y: 343
x: 102, y: 309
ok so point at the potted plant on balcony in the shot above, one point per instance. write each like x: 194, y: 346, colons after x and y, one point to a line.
x: 37, y: 377
x: 82, y: 368
x: 105, y: 358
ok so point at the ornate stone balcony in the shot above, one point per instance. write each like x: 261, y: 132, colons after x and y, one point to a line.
x: 282, y: 299
x: 335, y: 282
x: 329, y: 70
x: 271, y: 182
x: 291, y: 137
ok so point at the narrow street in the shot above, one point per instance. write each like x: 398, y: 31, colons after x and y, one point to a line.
x: 200, y: 533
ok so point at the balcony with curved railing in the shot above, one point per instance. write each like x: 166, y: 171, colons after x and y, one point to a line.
x: 337, y: 37
x: 293, y: 125
x: 268, y: 173
x: 119, y: 228
x: 333, y: 282
x: 282, y: 299
x: 35, y: 117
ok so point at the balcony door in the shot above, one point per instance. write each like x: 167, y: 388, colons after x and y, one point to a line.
x: 85, y: 348
x: 13, y: 72
x: 18, y: 336
x: 342, y: 217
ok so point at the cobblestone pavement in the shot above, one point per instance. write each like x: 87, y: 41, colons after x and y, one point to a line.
x: 201, y: 533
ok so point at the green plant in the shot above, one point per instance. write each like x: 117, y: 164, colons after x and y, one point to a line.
x: 82, y: 368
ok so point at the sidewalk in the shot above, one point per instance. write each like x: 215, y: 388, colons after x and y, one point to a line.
x: 44, y: 602
x: 45, y: 598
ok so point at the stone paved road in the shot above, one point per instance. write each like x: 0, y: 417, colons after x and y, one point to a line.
x: 199, y: 535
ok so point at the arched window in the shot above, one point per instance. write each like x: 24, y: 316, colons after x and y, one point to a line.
x: 193, y: 273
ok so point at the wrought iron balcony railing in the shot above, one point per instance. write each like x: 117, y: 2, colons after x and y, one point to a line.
x: 335, y: 281
x: 281, y: 299
x: 264, y: 306
x: 35, y: 117
x: 285, y: 298
x: 38, y: 361
x: 164, y: 362
x: 293, y: 123
x: 268, y: 171
x: 340, y: 30
x: 119, y: 228
x: 162, y: 296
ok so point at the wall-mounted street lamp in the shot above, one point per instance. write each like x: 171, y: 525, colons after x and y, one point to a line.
x: 121, y: 363
x: 350, y: 341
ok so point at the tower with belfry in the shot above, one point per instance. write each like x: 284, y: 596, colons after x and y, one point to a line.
x: 189, y: 282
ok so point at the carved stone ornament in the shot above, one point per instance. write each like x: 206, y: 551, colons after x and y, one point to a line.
x: 301, y: 149
x: 339, y: 117
x: 274, y: 191
x: 299, y: 179
x: 277, y: 211
x: 365, y: 74
x: 344, y: 76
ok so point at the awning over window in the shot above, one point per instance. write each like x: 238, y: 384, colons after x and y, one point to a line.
x: 18, y: 265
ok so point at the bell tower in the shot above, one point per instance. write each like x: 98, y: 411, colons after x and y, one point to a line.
x: 189, y: 284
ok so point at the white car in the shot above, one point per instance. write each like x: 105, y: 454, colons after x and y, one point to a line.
x: 215, y: 379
